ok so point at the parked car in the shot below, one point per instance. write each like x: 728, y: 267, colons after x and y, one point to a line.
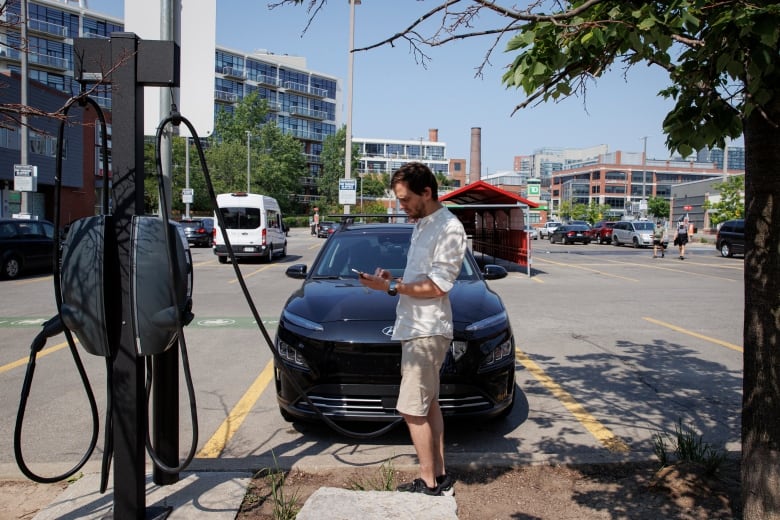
x: 570, y: 233
x: 334, y: 335
x: 199, y: 231
x: 602, y: 232
x: 532, y: 232
x: 25, y: 245
x: 730, y: 239
x: 327, y: 228
x: 547, y: 228
x: 638, y: 233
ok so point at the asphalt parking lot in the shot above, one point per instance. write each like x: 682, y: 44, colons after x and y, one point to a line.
x: 613, y: 347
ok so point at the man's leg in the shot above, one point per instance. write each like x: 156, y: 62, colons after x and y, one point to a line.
x: 426, y: 446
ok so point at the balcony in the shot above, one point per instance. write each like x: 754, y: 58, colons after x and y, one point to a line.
x: 52, y: 62
x: 234, y: 72
x: 226, y: 97
x: 263, y: 79
x: 308, y: 112
x: 50, y: 29
x: 305, y: 134
x: 305, y: 89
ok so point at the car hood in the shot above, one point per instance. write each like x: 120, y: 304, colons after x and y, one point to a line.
x: 332, y: 301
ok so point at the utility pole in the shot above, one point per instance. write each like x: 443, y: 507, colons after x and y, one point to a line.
x: 643, y: 204
x: 24, y: 133
x: 351, y: 81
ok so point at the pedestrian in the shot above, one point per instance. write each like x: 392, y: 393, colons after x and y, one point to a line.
x: 424, y: 318
x: 681, y: 238
x: 658, y: 240
x: 315, y: 228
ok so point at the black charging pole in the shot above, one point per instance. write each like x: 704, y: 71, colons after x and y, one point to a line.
x: 128, y: 64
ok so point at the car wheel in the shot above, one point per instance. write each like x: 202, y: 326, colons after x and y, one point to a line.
x: 270, y: 256
x: 11, y: 268
x: 222, y: 259
x: 615, y: 241
x: 725, y: 250
x: 635, y: 242
x: 284, y: 250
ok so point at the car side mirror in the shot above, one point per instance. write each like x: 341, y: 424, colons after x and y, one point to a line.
x: 494, y: 272
x: 296, y: 271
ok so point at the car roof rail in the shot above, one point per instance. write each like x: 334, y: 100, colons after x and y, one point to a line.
x: 348, y: 220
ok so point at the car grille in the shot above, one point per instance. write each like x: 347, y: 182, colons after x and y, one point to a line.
x: 384, y: 407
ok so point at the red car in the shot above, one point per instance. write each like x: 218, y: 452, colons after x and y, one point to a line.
x: 602, y: 232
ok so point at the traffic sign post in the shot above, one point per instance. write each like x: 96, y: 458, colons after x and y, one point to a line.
x: 347, y: 191
x: 25, y: 177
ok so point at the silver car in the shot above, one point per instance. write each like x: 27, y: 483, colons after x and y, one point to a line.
x: 638, y: 233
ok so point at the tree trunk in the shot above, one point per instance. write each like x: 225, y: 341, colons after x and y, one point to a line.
x: 761, y: 383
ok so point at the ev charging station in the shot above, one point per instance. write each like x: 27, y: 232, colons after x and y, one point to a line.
x: 129, y: 64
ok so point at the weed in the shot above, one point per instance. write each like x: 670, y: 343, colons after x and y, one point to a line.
x: 285, y: 505
x: 688, y: 447
x: 385, y: 481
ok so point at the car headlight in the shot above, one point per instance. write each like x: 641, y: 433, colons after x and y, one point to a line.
x: 499, y: 353
x: 487, y: 322
x: 290, y: 354
x: 301, y: 322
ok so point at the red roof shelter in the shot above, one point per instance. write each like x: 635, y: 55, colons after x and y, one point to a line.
x: 494, y: 219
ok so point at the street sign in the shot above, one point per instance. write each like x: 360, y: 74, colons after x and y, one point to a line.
x: 25, y: 177
x: 347, y: 191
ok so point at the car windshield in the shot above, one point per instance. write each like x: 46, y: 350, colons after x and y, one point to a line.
x: 644, y: 226
x: 365, y: 251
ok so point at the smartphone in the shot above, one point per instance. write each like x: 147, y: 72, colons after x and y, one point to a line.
x: 359, y: 273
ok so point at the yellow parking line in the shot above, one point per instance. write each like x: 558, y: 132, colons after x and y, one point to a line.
x: 597, y: 271
x: 250, y: 275
x: 23, y: 361
x: 602, y: 434
x: 695, y: 334
x: 27, y: 281
x: 216, y: 444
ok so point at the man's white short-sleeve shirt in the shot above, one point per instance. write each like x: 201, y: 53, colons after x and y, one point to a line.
x: 436, y: 252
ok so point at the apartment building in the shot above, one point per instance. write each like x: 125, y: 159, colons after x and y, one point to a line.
x: 379, y: 155
x: 622, y: 180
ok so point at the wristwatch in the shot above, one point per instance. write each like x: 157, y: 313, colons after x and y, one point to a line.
x: 392, y: 288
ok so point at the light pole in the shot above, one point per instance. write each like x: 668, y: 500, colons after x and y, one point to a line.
x: 350, y: 80
x: 643, y: 204
x: 248, y: 161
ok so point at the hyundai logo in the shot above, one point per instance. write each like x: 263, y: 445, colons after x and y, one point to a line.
x: 387, y: 331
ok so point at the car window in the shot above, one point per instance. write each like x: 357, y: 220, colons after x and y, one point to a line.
x: 241, y: 218
x: 365, y: 252
x: 7, y: 230
x: 644, y: 226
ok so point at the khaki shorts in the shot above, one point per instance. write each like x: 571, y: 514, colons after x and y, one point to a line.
x: 421, y: 360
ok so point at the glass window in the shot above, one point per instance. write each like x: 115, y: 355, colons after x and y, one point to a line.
x: 241, y: 218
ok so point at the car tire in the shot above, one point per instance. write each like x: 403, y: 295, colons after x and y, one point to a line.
x: 286, y: 415
x: 615, y: 241
x: 635, y: 242
x: 270, y: 256
x: 11, y: 268
x: 725, y: 250
x: 284, y: 250
x: 222, y: 259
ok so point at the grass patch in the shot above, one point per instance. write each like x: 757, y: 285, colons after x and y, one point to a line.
x: 385, y: 481
x: 687, y: 446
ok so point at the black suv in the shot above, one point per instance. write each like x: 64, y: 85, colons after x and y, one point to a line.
x: 731, y: 238
x: 334, y: 335
x: 198, y: 231
x: 25, y: 245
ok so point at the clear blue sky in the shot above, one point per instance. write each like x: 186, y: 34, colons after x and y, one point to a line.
x: 396, y: 98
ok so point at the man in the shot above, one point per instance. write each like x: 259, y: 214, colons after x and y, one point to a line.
x: 424, y: 317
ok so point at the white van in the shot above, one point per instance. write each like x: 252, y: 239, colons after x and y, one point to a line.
x: 254, y: 227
